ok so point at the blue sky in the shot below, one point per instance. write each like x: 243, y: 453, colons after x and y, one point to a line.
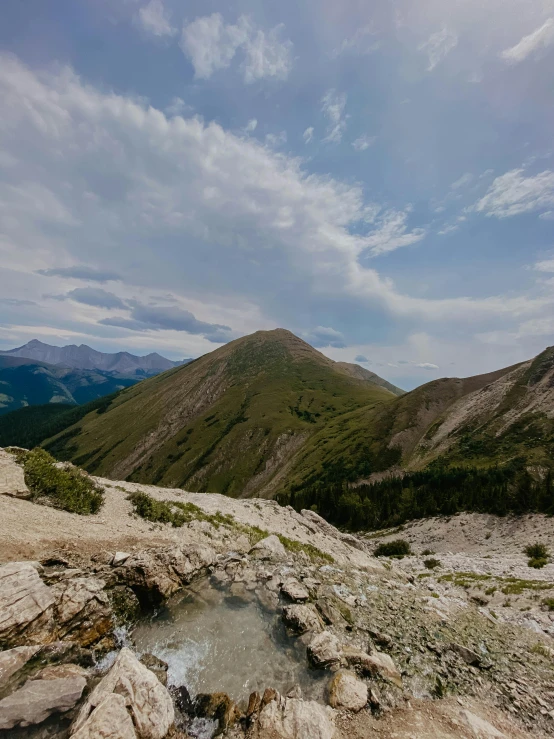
x: 376, y: 177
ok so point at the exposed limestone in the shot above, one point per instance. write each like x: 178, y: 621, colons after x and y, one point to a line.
x: 347, y: 691
x: 148, y: 701
x: 120, y: 558
x: 294, y: 590
x: 269, y: 548
x: 301, y: 618
x: 109, y: 720
x: 26, y: 605
x: 38, y: 699
x: 82, y: 610
x: 12, y: 660
x: 12, y: 478
x: 324, y: 650
x: 291, y: 718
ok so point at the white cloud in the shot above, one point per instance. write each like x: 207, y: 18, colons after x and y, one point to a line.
x: 177, y: 106
x: 427, y: 366
x: 211, y: 44
x: 438, y: 45
x: 251, y: 125
x: 392, y: 233
x: 362, y: 42
x: 512, y: 194
x: 308, y: 135
x: 364, y: 142
x: 323, y: 336
x: 332, y: 107
x: 276, y: 139
x: 547, y: 265
x: 537, y: 41
x: 154, y: 19
x: 462, y: 181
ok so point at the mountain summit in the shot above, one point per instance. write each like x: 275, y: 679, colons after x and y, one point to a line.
x: 228, y: 422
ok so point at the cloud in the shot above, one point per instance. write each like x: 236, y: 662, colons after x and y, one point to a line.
x: 251, y: 125
x: 512, y: 194
x: 308, y: 135
x: 364, y: 142
x: 323, y: 336
x: 537, y: 41
x: 392, y: 233
x: 547, y: 265
x: 94, y: 296
x: 15, y: 302
x: 156, y: 318
x: 427, y: 366
x: 332, y: 107
x: 438, y: 45
x: 276, y: 139
x: 462, y: 181
x: 211, y: 45
x: 361, y: 358
x: 177, y: 106
x: 81, y: 272
x: 154, y: 19
x: 362, y: 42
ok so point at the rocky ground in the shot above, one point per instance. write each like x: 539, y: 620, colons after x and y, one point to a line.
x: 407, y: 651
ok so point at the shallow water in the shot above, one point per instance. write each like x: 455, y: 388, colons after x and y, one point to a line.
x: 216, y: 642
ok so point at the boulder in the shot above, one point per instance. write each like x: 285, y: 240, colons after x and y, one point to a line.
x: 83, y: 611
x: 38, y: 699
x: 12, y: 478
x: 301, y: 618
x: 292, y: 718
x: 119, y: 558
x: 55, y: 672
x: 376, y: 664
x: 26, y: 606
x: 294, y: 590
x: 269, y: 548
x: 109, y: 720
x: 324, y: 650
x: 219, y: 707
x: 12, y: 660
x: 146, y: 698
x: 347, y: 691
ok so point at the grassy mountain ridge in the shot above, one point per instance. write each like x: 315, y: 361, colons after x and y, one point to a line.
x: 229, y: 422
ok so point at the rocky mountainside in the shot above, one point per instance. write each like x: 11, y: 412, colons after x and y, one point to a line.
x: 26, y: 382
x: 83, y: 357
x: 229, y: 422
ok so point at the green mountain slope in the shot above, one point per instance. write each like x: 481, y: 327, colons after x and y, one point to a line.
x: 229, y: 422
x: 25, y: 382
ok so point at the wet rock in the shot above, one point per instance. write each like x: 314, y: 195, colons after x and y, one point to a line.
x: 83, y: 610
x: 155, y: 665
x: 376, y: 664
x: 109, y: 720
x: 269, y: 548
x: 56, y: 672
x: 294, y: 590
x: 347, y: 691
x: 147, y: 700
x: 301, y: 618
x: 269, y: 695
x: 182, y: 699
x: 12, y: 660
x: 26, y: 606
x: 291, y: 718
x: 468, y: 655
x: 324, y: 650
x: 254, y: 704
x: 219, y: 707
x: 38, y: 699
x: 120, y: 558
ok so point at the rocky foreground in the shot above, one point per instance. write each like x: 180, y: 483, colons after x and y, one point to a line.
x: 403, y: 656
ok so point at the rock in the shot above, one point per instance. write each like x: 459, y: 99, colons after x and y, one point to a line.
x: 383, y: 640
x: 12, y: 478
x: 294, y: 590
x: 320, y: 523
x: 480, y: 729
x: 119, y: 558
x: 376, y: 664
x: 148, y: 701
x: 55, y: 672
x: 254, y: 704
x: 329, y: 613
x: 124, y: 604
x: 83, y: 610
x: 269, y: 548
x: 38, y: 699
x: 301, y: 618
x: 347, y: 691
x: 468, y: 655
x: 26, y: 606
x: 109, y: 720
x: 219, y: 707
x: 324, y: 650
x: 12, y: 660
x: 155, y: 665
x: 291, y: 718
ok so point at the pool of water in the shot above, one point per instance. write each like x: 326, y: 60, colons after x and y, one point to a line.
x: 216, y: 642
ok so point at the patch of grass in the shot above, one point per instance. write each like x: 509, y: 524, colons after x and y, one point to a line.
x: 491, y: 591
x: 398, y: 548
x: 549, y: 603
x: 296, y: 546
x: 427, y: 552
x: 539, y: 648
x: 537, y: 562
x: 537, y: 551
x: 68, y: 489
x: 173, y: 512
x: 432, y: 563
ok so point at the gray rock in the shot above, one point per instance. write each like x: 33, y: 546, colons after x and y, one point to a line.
x: 12, y: 660
x: 83, y: 611
x: 56, y: 672
x: 269, y: 548
x: 324, y: 650
x: 109, y: 720
x: 148, y: 701
x: 26, y: 606
x: 294, y: 590
x: 376, y: 664
x: 120, y: 558
x: 38, y: 699
x: 347, y: 691
x: 468, y: 655
x: 301, y: 618
x: 292, y: 718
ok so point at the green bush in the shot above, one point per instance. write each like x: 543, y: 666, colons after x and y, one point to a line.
x: 537, y: 551
x: 68, y: 489
x: 397, y: 548
x: 432, y: 563
x: 427, y: 552
x: 537, y: 562
x: 548, y: 603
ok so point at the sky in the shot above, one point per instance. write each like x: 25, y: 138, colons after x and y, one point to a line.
x: 376, y: 177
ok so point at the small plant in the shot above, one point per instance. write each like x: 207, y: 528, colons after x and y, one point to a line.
x: 541, y: 649
x: 65, y: 488
x: 537, y: 562
x: 432, y: 563
x: 538, y: 555
x: 491, y: 590
x: 398, y: 548
x: 549, y: 604
x: 427, y: 552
